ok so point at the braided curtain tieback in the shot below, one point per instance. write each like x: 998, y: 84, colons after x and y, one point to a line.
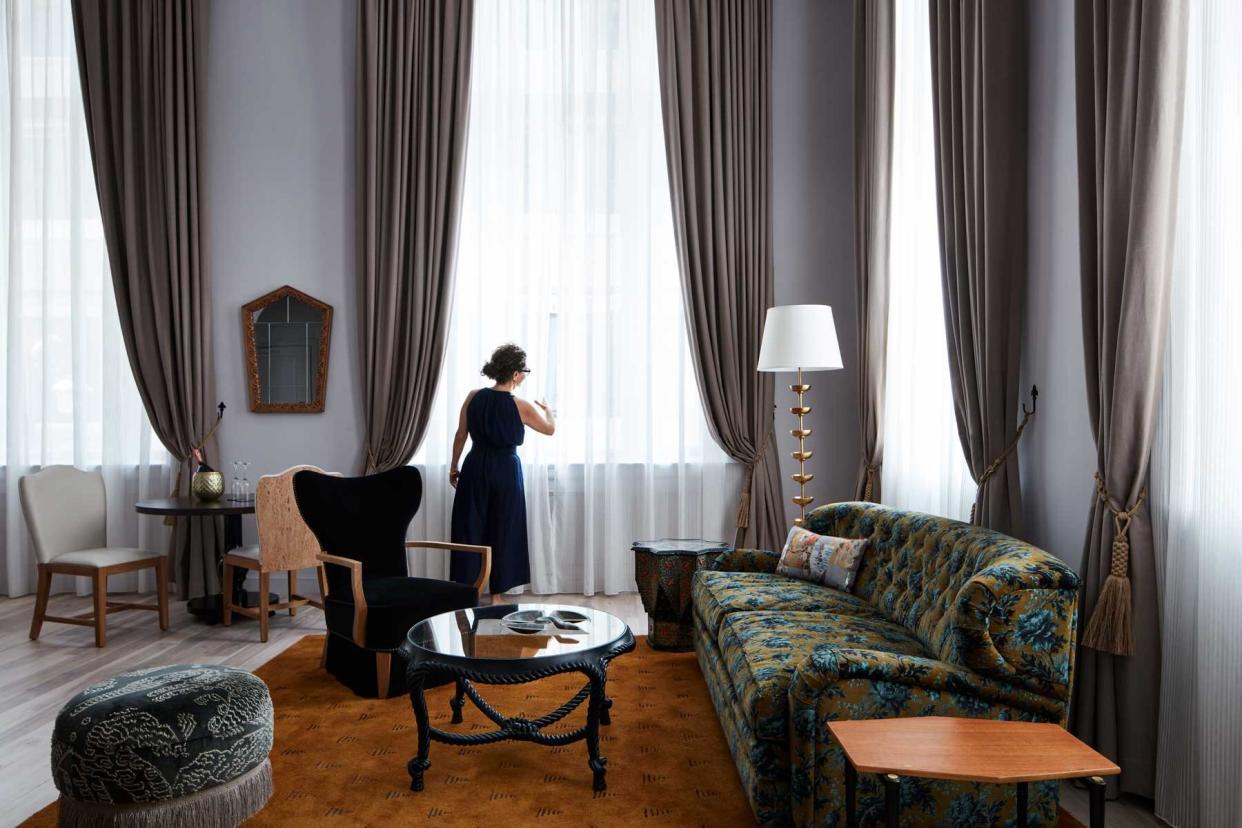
x: 1111, y: 628
x: 872, y: 470
x: 1004, y: 455
x: 743, y: 503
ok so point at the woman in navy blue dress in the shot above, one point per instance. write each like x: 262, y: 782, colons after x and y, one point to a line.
x: 489, y: 507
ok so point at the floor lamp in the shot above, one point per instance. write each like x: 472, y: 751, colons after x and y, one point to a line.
x: 800, y: 338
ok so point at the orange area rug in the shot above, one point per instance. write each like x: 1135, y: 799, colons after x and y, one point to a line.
x: 340, y: 760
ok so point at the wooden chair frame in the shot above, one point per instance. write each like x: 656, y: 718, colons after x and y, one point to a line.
x: 383, y: 658
x: 265, y: 608
x: 102, y: 606
x: 286, y: 544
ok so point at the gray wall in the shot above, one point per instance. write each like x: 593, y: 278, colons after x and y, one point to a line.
x: 1057, y: 450
x: 279, y: 187
x: 812, y: 171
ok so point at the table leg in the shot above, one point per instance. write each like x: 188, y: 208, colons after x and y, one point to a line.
x: 1095, y: 789
x: 605, y: 715
x: 851, y: 795
x: 1021, y: 821
x: 232, y: 532
x: 892, y: 799
x: 420, y: 763
x: 458, y: 701
x: 595, y: 712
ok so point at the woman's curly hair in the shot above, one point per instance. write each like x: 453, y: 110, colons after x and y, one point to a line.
x: 506, y: 360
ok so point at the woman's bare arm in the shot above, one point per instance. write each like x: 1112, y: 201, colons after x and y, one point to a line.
x: 459, y: 439
x: 538, y: 416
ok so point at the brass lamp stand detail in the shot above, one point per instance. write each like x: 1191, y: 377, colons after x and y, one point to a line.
x: 799, y: 338
x: 801, y: 499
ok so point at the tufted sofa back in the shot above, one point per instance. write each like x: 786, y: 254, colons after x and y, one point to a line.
x: 972, y: 596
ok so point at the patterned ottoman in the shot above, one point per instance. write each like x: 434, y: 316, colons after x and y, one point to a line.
x: 184, y: 745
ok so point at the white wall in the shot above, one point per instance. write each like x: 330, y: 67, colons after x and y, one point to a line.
x: 279, y: 186
x: 1057, y: 451
x: 812, y: 172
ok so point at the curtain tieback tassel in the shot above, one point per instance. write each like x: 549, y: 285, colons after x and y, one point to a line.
x: 1111, y: 628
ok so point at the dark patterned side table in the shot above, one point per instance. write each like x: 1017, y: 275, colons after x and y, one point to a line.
x: 664, y: 570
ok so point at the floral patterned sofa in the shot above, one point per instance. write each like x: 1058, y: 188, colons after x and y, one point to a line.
x: 945, y: 619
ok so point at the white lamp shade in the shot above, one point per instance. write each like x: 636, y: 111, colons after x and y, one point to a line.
x: 799, y: 336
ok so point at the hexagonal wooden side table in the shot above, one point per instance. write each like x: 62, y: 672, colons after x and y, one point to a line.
x: 968, y: 750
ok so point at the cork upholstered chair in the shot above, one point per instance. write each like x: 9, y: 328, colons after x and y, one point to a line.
x: 66, y: 513
x: 286, y: 544
x: 361, y: 524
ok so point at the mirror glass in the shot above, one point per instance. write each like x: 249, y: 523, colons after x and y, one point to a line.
x: 287, y: 343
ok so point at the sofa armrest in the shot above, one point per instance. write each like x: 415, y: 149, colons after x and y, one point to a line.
x: 1016, y: 621
x: 835, y: 683
x: 747, y: 560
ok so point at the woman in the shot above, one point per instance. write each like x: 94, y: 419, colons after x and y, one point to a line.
x: 489, y: 508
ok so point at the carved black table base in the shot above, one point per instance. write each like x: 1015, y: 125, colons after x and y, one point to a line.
x: 427, y: 668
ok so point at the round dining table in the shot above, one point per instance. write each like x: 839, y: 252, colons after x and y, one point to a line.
x: 208, y: 607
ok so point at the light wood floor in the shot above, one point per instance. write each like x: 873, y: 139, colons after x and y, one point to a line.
x: 38, y: 677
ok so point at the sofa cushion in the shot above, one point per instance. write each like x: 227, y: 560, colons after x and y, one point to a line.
x: 821, y: 559
x: 717, y: 594
x: 762, y: 650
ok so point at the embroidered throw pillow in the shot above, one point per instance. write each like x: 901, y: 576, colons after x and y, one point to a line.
x: 822, y: 559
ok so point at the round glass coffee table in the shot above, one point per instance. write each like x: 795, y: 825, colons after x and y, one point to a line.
x: 481, y: 646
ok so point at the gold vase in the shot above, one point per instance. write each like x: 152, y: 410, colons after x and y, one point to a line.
x: 207, y: 485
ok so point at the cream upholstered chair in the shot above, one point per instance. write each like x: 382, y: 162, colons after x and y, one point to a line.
x: 66, y: 512
x: 286, y: 544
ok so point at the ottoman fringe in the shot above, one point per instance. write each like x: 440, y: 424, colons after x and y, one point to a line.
x: 223, y: 806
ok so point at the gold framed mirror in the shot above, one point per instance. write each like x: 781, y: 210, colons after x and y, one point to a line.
x: 287, y: 335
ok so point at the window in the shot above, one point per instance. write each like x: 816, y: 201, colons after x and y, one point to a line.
x: 1198, y: 450
x: 66, y: 391
x: 924, y: 466
x: 567, y: 249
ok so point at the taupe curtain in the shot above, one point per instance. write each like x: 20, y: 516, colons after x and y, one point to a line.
x: 715, y: 90
x: 1130, y: 72
x: 413, y: 87
x: 873, y: 164
x: 979, y: 92
x: 141, y: 69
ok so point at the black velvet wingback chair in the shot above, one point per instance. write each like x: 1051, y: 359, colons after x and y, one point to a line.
x: 360, y: 523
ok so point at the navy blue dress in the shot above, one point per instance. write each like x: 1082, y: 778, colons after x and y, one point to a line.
x: 490, y: 505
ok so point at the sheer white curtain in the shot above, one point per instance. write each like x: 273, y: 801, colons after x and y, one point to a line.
x: 1198, y: 452
x: 65, y: 382
x: 567, y: 249
x: 924, y: 468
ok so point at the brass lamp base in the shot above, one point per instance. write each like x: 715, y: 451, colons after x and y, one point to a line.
x: 801, y: 499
